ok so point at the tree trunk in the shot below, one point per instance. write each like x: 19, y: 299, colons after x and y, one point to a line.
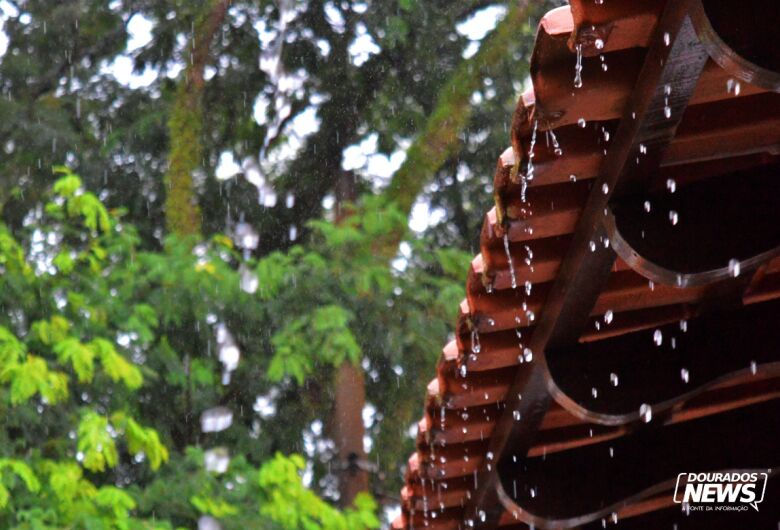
x: 349, y: 392
x: 182, y: 214
x: 347, y: 431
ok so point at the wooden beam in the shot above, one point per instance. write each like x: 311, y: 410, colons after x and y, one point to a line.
x: 608, y: 381
x: 619, y: 473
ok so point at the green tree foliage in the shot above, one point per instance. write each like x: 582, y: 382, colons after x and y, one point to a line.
x: 81, y: 357
x: 108, y: 326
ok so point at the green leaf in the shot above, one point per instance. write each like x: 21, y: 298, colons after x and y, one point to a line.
x: 51, y: 331
x: 11, y: 350
x: 80, y: 356
x: 117, y: 501
x: 31, y: 376
x: 96, y: 443
x: 68, y: 185
x: 115, y: 365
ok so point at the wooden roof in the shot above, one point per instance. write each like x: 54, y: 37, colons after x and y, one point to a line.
x: 620, y: 319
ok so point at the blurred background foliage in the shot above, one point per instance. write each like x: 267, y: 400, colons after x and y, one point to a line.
x: 206, y: 210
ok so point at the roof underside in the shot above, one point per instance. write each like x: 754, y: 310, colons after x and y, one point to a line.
x: 626, y: 299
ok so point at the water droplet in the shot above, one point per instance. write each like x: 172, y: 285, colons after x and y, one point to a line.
x: 573, y: 178
x: 667, y: 38
x: 529, y: 175
x: 582, y: 123
x: 658, y: 337
x: 578, y: 67
x: 734, y: 268
x: 605, y: 188
x: 556, y: 146
x: 528, y: 355
x: 608, y: 316
x: 647, y: 206
x: 594, y: 392
x: 510, y: 264
x: 613, y: 378
x: 671, y: 185
x: 753, y: 367
x: 516, y: 415
x: 667, y: 111
x: 475, y: 345
x: 684, y: 375
x: 592, y: 246
x: 673, y: 217
x: 599, y: 44
x: 645, y: 412
x: 733, y: 86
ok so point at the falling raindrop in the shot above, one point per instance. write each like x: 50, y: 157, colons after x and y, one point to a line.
x: 578, y: 67
x: 594, y: 392
x: 667, y: 38
x: 671, y: 185
x: 733, y: 86
x: 753, y: 367
x: 658, y: 337
x: 573, y: 177
x: 608, y: 316
x: 516, y: 415
x: 529, y: 175
x: 734, y: 268
x: 582, y: 123
x: 613, y: 378
x: 592, y: 246
x: 528, y: 355
x: 556, y: 146
x: 645, y: 412
x: 510, y: 264
x: 604, y: 66
x: 673, y: 217
x: 476, y: 347
x: 685, y: 375
x: 605, y: 188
